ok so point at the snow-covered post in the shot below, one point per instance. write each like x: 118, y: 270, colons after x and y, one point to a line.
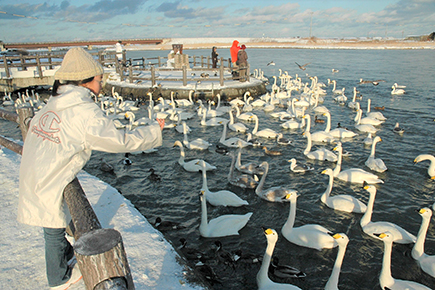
x: 221, y: 74
x: 184, y: 75
x: 153, y: 75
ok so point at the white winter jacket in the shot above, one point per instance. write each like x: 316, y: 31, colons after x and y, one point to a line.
x: 59, y: 142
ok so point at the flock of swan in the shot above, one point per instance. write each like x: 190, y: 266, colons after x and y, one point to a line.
x: 296, y: 113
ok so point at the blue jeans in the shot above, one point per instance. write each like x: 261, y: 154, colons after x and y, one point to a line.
x: 57, y: 253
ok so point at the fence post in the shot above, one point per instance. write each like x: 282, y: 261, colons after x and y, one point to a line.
x: 248, y: 74
x: 160, y: 62
x: 5, y: 62
x: 202, y: 61
x: 194, y: 60
x: 23, y: 62
x: 208, y: 62
x: 184, y: 75
x: 221, y: 75
x: 38, y: 65
x: 130, y: 74
x: 153, y: 75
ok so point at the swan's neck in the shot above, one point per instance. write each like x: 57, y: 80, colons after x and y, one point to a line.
x: 333, y: 279
x: 204, y: 179
x: 328, y: 190
x: 328, y: 123
x: 231, y: 172
x: 308, y: 149
x: 418, y: 249
x: 182, y: 155
x: 308, y: 127
x: 254, y: 131
x: 367, y: 217
x: 204, y: 117
x: 239, y: 158
x: 288, y: 226
x: 231, y: 117
x: 385, y: 275
x: 259, y: 188
x: 354, y: 96
x: 368, y: 106
x: 224, y: 133
x: 219, y: 102
x: 372, y: 152
x: 263, y: 272
x: 337, y: 168
x: 358, y: 117
x: 204, y: 222
x: 335, y: 84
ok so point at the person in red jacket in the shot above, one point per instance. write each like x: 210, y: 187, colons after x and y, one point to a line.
x: 234, y: 50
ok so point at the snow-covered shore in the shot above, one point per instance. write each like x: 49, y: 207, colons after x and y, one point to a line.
x: 152, y: 259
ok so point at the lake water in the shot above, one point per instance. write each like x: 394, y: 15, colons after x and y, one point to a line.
x: 406, y: 187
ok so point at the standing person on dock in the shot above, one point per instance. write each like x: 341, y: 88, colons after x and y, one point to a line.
x: 242, y: 62
x: 119, y: 49
x: 59, y: 142
x: 214, y: 57
x: 234, y: 50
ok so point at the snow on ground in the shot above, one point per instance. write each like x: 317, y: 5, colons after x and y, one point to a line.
x: 152, y: 259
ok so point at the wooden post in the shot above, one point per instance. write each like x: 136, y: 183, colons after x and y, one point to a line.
x: 23, y: 63
x: 153, y: 75
x: 221, y: 75
x: 194, y: 60
x: 160, y: 62
x: 38, y: 65
x: 208, y: 62
x: 5, y: 62
x: 184, y: 75
x: 25, y: 115
x: 130, y: 74
x: 248, y: 77
x: 202, y: 61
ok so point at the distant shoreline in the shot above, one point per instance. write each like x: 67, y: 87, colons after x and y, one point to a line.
x: 301, y: 43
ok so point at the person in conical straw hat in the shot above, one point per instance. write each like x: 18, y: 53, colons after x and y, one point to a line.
x: 58, y: 144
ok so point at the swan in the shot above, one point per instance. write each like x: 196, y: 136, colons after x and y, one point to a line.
x: 248, y: 168
x: 238, y: 102
x: 299, y: 168
x: 431, y: 158
x: 396, y: 91
x: 255, y: 142
x: 293, y: 124
x: 368, y: 141
x: 341, y: 202
x: 139, y: 122
x: 221, y: 197
x: 342, y: 240
x: 385, y: 279
x: 375, y: 164
x: 233, y: 141
x: 240, y: 180
x: 426, y: 262
x: 197, y: 144
x: 236, y: 127
x: 353, y: 104
x: 192, y: 165
x: 368, y: 128
x: 224, y: 109
x: 309, y: 235
x: 184, y: 102
x: 281, y: 140
x: 265, y: 133
x: 353, y: 175
x: 375, y: 115
x: 398, y: 86
x: 273, y: 194
x: 337, y: 132
x: 397, y: 129
x: 222, y: 226
x: 244, y: 116
x: 335, y: 90
x: 263, y: 280
x: 319, y: 154
x: 401, y: 236
x: 319, y: 136
x: 248, y: 107
x: 366, y: 120
x: 214, y: 121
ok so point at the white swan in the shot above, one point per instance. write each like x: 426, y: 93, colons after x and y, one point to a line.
x: 342, y: 202
x: 335, y: 90
x: 265, y: 133
x: 366, y: 120
x: 197, y: 144
x: 310, y: 235
x: 192, y: 165
x: 319, y: 154
x: 293, y: 124
x: 139, y: 122
x: 221, y: 197
x: 426, y: 262
x: 319, y: 136
x: 236, y: 127
x: 233, y: 141
x: 222, y: 226
x: 240, y: 180
x: 244, y: 116
x: 342, y: 241
x: 353, y: 175
x: 375, y: 115
x: 368, y: 141
x: 214, y: 121
x: 401, y: 236
x: 431, y: 158
x: 248, y: 168
x: 397, y: 91
x: 337, y: 132
x: 184, y: 102
x: 353, y: 104
x: 273, y: 194
x: 363, y: 127
x: 263, y: 280
x: 298, y: 168
x: 375, y: 164
x: 385, y: 279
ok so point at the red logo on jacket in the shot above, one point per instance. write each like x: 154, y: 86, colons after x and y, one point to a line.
x: 47, y: 127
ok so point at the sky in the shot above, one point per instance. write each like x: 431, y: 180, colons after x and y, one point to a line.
x: 35, y: 20
x: 152, y: 259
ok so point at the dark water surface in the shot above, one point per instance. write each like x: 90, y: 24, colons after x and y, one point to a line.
x: 407, y: 186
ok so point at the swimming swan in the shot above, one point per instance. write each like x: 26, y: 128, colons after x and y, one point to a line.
x: 342, y: 202
x: 375, y: 115
x: 233, y: 142
x: 222, y: 226
x: 310, y: 235
x: 240, y: 180
x: 197, y: 144
x: 401, y: 236
x: 431, y: 158
x: 319, y: 154
x: 426, y: 262
x: 375, y: 164
x: 263, y: 280
x: 369, y: 128
x: 273, y: 194
x: 337, y: 132
x: 342, y: 241
x: 353, y: 175
x: 248, y: 168
x: 266, y: 133
x: 192, y: 165
x: 385, y: 279
x: 221, y: 197
x: 319, y: 136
